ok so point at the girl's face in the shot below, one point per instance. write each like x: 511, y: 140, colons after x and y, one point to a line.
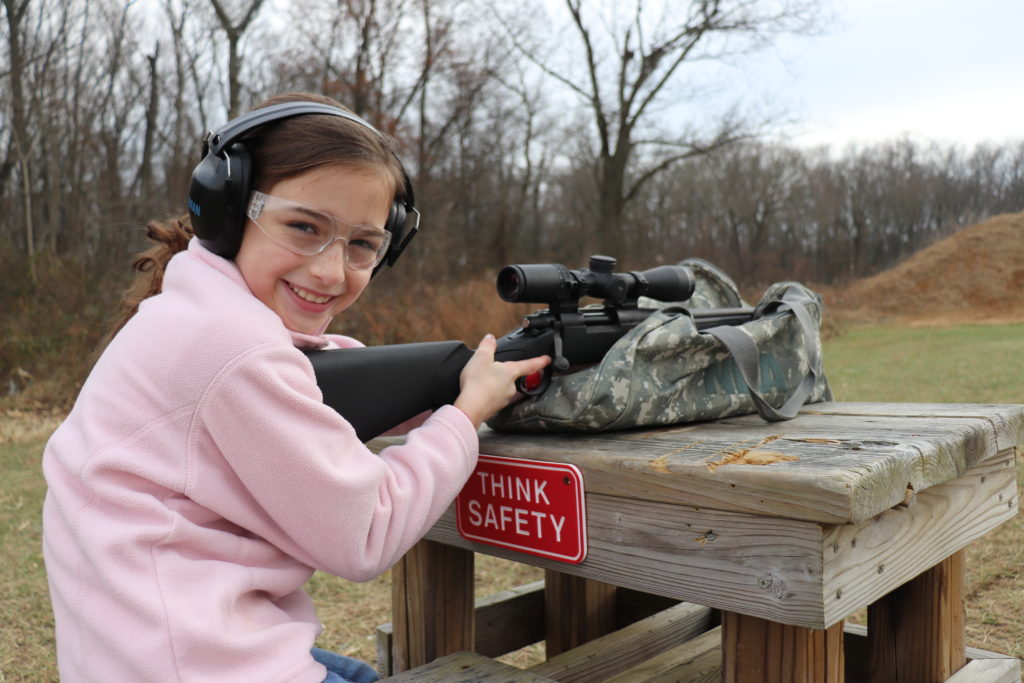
x: 307, y: 291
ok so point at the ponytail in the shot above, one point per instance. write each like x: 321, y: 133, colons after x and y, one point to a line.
x: 171, y: 237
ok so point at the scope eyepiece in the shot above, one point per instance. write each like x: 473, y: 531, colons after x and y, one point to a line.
x: 668, y: 283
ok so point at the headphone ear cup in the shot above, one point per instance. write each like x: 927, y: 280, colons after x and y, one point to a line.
x: 217, y: 199
x: 396, y: 226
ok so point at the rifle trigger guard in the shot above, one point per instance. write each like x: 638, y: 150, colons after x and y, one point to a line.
x: 540, y: 388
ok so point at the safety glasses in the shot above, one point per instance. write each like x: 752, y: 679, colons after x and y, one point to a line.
x: 307, y: 231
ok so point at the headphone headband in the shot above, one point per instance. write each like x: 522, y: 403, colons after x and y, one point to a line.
x: 220, y: 185
x: 235, y: 128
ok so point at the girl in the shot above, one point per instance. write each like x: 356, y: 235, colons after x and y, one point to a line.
x: 199, y: 480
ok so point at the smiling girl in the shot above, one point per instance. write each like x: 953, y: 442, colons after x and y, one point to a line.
x: 199, y: 480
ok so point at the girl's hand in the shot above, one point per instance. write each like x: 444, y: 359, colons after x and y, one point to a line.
x: 487, y: 386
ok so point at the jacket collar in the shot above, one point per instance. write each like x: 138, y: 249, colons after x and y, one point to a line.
x: 230, y: 269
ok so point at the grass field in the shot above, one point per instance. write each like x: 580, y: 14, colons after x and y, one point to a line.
x: 966, y: 364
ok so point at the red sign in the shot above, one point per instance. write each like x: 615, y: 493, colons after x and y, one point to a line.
x: 531, y: 506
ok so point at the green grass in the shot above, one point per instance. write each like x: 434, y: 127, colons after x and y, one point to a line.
x: 26, y: 638
x: 966, y: 364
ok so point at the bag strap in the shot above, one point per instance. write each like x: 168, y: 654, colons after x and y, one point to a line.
x: 744, y: 351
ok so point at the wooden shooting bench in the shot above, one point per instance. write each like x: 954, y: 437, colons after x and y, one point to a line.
x: 734, y: 550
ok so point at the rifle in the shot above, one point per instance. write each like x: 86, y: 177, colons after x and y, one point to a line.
x: 379, y: 387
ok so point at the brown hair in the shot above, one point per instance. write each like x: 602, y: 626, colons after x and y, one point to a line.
x: 286, y: 148
x: 279, y: 150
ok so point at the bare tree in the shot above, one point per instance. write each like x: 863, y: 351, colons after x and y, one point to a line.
x: 35, y: 39
x: 22, y: 140
x: 145, y: 175
x: 234, y: 30
x: 350, y: 50
x: 631, y: 64
x: 186, y: 86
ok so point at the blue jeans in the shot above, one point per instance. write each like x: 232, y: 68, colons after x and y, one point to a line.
x: 342, y: 669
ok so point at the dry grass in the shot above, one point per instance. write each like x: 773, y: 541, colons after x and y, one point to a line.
x: 995, y: 587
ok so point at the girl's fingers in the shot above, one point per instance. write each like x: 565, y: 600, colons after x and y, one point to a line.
x: 488, y: 344
x: 529, y: 366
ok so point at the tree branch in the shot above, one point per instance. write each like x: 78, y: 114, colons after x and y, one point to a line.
x: 724, y: 138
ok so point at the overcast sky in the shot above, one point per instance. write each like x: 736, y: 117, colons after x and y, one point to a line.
x: 944, y: 70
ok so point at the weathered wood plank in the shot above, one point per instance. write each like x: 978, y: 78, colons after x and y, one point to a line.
x: 432, y: 604
x: 467, y: 667
x: 695, y: 661
x: 863, y: 562
x: 1007, y: 419
x: 834, y: 465
x: 759, y: 650
x: 982, y: 666
x: 917, y: 630
x: 709, y: 557
x: 794, y: 572
x: 630, y: 646
x: 988, y: 671
x: 505, y: 621
x: 577, y: 610
x: 509, y: 620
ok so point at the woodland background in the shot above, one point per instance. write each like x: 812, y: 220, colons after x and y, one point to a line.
x: 535, y: 131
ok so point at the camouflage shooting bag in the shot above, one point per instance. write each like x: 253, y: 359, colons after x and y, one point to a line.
x: 665, y: 371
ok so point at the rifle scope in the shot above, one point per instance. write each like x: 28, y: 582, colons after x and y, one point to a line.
x: 553, y: 283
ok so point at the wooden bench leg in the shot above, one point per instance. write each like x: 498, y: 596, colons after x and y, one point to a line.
x: 432, y: 604
x: 916, y: 632
x: 577, y: 611
x: 758, y: 650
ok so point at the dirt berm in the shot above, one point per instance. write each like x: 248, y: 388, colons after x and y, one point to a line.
x: 975, y: 275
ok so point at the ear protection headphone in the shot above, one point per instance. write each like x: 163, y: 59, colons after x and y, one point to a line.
x: 219, y: 191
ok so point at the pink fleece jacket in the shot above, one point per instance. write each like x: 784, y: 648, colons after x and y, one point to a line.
x: 199, y: 481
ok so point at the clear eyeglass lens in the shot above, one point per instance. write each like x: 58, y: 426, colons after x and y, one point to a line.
x: 308, y: 232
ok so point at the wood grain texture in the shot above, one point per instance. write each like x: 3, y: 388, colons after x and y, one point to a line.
x: 851, y: 461
x: 916, y: 632
x: 759, y: 650
x: 790, y: 571
x: 432, y: 604
x: 695, y: 661
x: 713, y: 558
x: 982, y: 666
x: 1003, y: 670
x: 1007, y: 421
x: 577, y: 610
x: 794, y: 524
x: 631, y: 646
x: 505, y: 621
x: 863, y: 562
x: 467, y: 667
x: 509, y: 620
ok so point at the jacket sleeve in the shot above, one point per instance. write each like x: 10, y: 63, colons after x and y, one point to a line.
x: 268, y: 455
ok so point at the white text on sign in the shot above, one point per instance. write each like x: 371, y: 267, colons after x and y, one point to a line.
x: 531, y: 506
x: 524, y: 521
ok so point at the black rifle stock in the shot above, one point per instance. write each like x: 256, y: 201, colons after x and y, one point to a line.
x: 376, y: 388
